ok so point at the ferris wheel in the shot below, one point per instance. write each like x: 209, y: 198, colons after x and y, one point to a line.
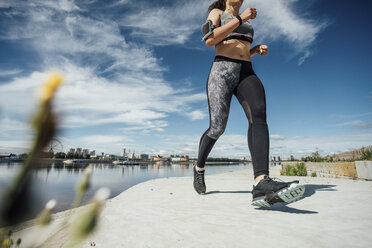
x: 54, y: 146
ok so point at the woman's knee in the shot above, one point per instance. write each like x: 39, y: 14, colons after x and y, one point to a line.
x: 215, y: 132
x: 259, y: 113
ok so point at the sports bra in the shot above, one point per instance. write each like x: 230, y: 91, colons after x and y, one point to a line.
x: 243, y: 32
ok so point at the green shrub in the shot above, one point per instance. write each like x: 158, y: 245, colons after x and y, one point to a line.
x: 366, y: 154
x: 313, y: 174
x: 297, y: 170
x: 315, y: 157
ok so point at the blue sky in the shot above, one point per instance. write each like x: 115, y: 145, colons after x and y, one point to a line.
x: 135, y: 75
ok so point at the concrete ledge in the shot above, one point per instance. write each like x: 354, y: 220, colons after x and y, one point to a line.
x: 364, y: 169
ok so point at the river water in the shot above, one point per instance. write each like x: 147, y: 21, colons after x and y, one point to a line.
x: 59, y: 182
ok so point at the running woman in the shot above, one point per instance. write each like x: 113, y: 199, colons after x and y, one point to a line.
x: 231, y: 73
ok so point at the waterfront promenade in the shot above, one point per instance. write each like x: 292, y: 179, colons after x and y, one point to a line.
x: 168, y: 213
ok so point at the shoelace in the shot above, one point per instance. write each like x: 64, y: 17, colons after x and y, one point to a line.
x: 199, y: 177
x: 274, y: 178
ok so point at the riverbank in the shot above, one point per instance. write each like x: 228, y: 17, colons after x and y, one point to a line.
x: 167, y: 212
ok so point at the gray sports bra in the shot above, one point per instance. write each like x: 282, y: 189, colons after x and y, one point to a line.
x: 243, y: 32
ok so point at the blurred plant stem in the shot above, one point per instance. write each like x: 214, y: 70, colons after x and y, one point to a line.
x: 17, y: 201
x: 86, y: 222
x: 17, y: 196
x: 82, y: 187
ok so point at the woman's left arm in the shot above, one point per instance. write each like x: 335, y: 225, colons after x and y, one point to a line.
x: 259, y: 49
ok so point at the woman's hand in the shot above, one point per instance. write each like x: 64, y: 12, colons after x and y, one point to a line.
x: 248, y: 13
x: 259, y: 49
x: 262, y: 49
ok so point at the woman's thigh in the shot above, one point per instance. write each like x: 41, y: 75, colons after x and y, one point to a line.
x: 251, y: 95
x: 223, y: 78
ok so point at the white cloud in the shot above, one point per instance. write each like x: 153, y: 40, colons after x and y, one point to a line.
x: 119, y: 3
x: 304, y: 145
x: 172, y: 24
x: 346, y: 116
x: 357, y: 124
x: 5, y: 3
x: 87, y: 100
x: 277, y: 137
x: 14, y: 146
x: 196, y: 115
x: 109, y: 144
x: 364, y: 125
x: 7, y: 124
x: 108, y: 80
x: 276, y: 20
x: 5, y: 73
x: 349, y: 123
x: 304, y: 57
x: 55, y: 33
x: 94, y: 140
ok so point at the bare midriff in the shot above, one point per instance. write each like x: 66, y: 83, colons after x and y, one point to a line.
x: 235, y: 49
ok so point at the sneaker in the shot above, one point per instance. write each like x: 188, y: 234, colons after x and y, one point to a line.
x: 199, y: 184
x: 267, y: 192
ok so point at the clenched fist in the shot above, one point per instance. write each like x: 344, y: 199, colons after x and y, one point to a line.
x: 248, y: 13
x: 261, y: 49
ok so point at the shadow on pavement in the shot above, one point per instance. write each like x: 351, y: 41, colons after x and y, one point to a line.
x: 311, y: 188
x: 284, y: 208
x: 309, y: 191
x: 229, y: 192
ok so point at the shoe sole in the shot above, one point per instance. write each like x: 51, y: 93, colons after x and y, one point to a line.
x: 291, y: 194
x: 200, y: 192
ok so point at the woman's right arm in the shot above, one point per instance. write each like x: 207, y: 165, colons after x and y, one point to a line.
x: 221, y: 32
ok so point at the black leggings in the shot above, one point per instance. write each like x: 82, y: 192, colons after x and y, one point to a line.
x: 227, y: 77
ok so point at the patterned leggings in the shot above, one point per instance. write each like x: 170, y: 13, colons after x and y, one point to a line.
x: 227, y: 77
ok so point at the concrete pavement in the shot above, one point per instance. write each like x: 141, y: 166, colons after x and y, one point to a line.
x: 168, y: 213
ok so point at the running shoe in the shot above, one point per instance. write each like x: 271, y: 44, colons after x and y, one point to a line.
x: 199, y: 184
x: 268, y: 191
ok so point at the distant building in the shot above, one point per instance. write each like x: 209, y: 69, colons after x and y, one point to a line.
x: 144, y: 156
x: 85, y: 151
x: 123, y: 152
x: 179, y: 158
x: 184, y: 159
x: 156, y: 158
x: 72, y: 150
x: 92, y: 153
x: 107, y: 157
x: 79, y: 150
x: 5, y: 155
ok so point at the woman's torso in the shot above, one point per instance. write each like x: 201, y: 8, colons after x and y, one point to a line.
x: 235, y: 48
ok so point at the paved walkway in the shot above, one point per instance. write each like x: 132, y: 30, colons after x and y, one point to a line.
x: 168, y: 213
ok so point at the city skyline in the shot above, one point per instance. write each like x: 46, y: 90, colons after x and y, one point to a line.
x: 141, y: 81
